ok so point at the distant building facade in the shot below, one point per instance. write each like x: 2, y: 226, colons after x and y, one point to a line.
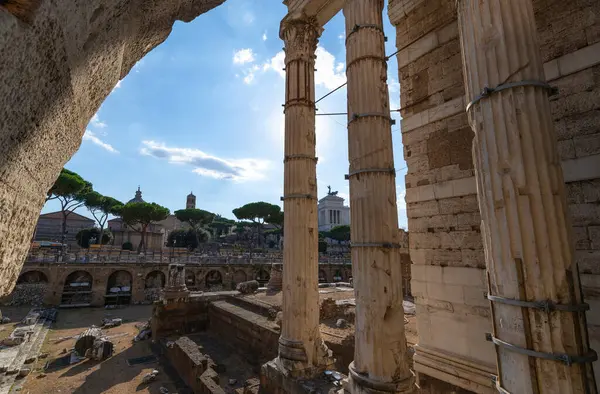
x: 332, y: 212
x: 49, y: 227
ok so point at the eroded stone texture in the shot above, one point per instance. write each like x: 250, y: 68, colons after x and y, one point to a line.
x: 56, y: 72
x: 441, y: 199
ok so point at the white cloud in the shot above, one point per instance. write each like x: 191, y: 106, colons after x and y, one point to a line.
x: 328, y: 74
x: 277, y: 64
x: 96, y: 122
x: 117, y: 86
x: 401, y: 195
x: 250, y: 74
x: 243, y: 56
x: 264, y: 36
x: 208, y: 165
x: 90, y: 136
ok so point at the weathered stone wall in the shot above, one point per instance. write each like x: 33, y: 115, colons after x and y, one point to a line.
x: 569, y: 34
x: 448, y: 277
x: 56, y: 71
x: 448, y: 280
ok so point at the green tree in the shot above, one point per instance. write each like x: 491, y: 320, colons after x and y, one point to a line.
x: 101, y: 207
x: 258, y: 213
x: 140, y: 215
x: 189, y: 238
x: 85, y: 236
x: 70, y: 190
x: 220, y: 225
x: 198, y: 219
x: 339, y: 233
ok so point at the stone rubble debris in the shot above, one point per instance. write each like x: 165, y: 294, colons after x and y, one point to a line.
x: 150, y: 377
x: 109, y: 323
x: 164, y: 390
x: 249, y: 287
x: 341, y: 323
x: 31, y: 294
x: 145, y: 332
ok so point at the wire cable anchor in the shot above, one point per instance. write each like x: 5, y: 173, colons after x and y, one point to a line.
x: 487, y: 92
x: 564, y: 358
x: 368, y: 170
x: 372, y: 114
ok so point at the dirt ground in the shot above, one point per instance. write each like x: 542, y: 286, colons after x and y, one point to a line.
x: 328, y: 327
x: 112, y: 376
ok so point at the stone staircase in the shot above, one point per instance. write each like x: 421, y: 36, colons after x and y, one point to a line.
x: 14, y: 359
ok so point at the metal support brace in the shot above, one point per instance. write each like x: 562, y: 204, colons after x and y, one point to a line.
x: 499, y: 388
x: 372, y: 114
x: 367, y: 170
x: 286, y: 197
x: 487, y: 92
x: 299, y: 156
x: 546, y: 306
x: 566, y: 359
x: 387, y: 245
x: 372, y: 26
x: 374, y: 57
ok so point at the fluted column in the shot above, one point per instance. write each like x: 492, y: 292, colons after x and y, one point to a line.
x: 302, y: 352
x: 380, y: 355
x: 520, y: 186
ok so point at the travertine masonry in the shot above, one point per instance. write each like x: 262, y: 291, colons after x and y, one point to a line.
x: 569, y: 38
x: 56, y: 73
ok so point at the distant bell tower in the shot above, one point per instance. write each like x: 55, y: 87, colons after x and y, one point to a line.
x: 191, y: 201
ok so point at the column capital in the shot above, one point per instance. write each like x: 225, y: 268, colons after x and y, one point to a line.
x: 301, y: 36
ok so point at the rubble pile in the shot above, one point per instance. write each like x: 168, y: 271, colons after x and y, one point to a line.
x: 332, y: 309
x: 27, y: 294
x: 248, y: 287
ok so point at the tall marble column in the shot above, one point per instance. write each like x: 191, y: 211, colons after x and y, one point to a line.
x: 302, y: 352
x: 380, y: 356
x: 520, y: 187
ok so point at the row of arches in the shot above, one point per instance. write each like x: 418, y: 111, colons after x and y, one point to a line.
x: 77, y: 287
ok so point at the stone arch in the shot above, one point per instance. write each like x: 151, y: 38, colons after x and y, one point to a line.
x: 190, y: 280
x: 263, y: 276
x: 77, y: 289
x: 31, y: 277
x: 322, y: 276
x: 74, y: 71
x: 119, y: 288
x: 155, y: 280
x: 213, y: 279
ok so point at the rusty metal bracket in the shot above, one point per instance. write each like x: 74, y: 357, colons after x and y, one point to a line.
x: 372, y: 114
x: 546, y: 306
x: 367, y: 170
x: 387, y: 245
x: 566, y: 359
x: 487, y: 92
x: 299, y: 156
x: 289, y: 196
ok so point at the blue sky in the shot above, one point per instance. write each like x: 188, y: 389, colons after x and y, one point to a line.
x: 202, y: 112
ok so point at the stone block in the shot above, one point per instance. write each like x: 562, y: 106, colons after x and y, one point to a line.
x: 475, y: 296
x: 468, y: 277
x: 445, y: 292
x: 566, y: 149
x: 594, y: 236
x: 584, y: 214
x: 581, y: 238
x: 582, y: 123
x: 586, y: 145
x: 581, y: 169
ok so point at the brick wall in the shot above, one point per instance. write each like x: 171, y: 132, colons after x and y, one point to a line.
x: 443, y: 216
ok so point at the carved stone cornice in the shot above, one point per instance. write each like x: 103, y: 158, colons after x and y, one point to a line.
x: 301, y: 37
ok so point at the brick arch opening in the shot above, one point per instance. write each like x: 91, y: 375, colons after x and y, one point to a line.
x: 155, y: 280
x: 239, y: 276
x: 58, y: 79
x: 262, y: 277
x: 214, y: 280
x: 119, y: 288
x: 77, y: 289
x: 32, y: 277
x: 322, y: 276
x: 190, y: 280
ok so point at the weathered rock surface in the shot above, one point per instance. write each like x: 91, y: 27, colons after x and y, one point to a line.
x: 56, y: 71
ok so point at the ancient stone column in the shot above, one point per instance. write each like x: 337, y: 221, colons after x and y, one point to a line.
x: 302, y: 352
x: 533, y: 282
x: 176, y: 288
x: 380, y: 356
x: 276, y: 278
